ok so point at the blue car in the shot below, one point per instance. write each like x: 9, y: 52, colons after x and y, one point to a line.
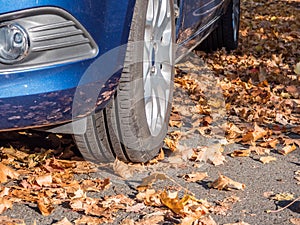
x: 103, y: 70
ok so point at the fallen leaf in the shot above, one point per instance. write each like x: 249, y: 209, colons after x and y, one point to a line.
x: 6, y: 172
x: 270, y: 143
x: 90, y: 220
x: 45, y: 206
x: 148, y: 181
x: 267, y: 159
x: 123, y: 169
x: 239, y: 223
x: 283, y: 197
x: 44, y: 180
x: 194, y: 177
x: 171, y: 200
x: 212, y: 154
x: 5, y: 204
x: 150, y: 197
x: 241, y: 153
x: 252, y: 136
x: 295, y: 221
x: 64, y: 221
x: 226, y: 183
x: 287, y: 149
x: 208, y: 220
x: 4, y: 220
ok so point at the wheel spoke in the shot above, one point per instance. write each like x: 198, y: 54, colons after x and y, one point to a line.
x: 157, y: 68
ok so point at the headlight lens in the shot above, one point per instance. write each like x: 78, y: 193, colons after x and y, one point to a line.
x: 14, y: 43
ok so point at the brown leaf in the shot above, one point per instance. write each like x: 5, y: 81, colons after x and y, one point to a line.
x: 271, y: 143
x: 241, y: 153
x: 5, y: 204
x: 256, y: 134
x: 44, y: 180
x: 64, y: 221
x: 4, y: 220
x: 287, y: 149
x: 212, y: 154
x: 226, y: 183
x: 124, y: 170
x: 295, y: 221
x: 148, y: 181
x: 150, y: 197
x: 6, y: 172
x: 239, y: 223
x: 45, y: 206
x: 267, y: 159
x: 90, y: 220
x: 194, y: 177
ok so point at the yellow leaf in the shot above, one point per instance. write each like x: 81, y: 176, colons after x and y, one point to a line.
x: 172, y: 202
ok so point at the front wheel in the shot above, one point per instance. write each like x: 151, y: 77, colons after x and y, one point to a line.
x: 135, y: 122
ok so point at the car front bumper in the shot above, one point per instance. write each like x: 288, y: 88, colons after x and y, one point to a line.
x: 35, y: 96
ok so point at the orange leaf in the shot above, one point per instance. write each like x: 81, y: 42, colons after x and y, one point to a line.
x: 6, y: 172
x: 287, y: 149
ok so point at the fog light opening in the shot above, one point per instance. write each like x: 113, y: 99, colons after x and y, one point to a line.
x: 14, y: 43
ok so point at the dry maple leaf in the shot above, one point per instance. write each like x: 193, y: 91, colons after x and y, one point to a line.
x: 90, y: 220
x: 223, y: 206
x: 171, y: 200
x: 150, y: 197
x: 148, y: 181
x: 5, y: 204
x: 252, y: 136
x: 270, y: 143
x: 95, y: 185
x: 295, y: 221
x: 4, y: 220
x: 226, y: 183
x: 123, y: 169
x: 152, y: 219
x: 212, y: 154
x: 283, y: 197
x: 64, y: 221
x: 44, y: 180
x: 7, y: 172
x: 287, y: 149
x: 240, y: 153
x: 45, y: 206
x: 239, y: 223
x: 267, y: 159
x: 194, y: 177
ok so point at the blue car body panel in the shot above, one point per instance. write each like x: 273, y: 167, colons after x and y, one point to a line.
x: 44, y: 96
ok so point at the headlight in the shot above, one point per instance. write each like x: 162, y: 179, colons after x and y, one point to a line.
x: 14, y: 43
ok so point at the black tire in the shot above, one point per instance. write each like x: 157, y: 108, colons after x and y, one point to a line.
x: 121, y: 130
x: 226, y: 33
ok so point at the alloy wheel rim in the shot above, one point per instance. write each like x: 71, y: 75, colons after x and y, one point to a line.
x: 157, y: 63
